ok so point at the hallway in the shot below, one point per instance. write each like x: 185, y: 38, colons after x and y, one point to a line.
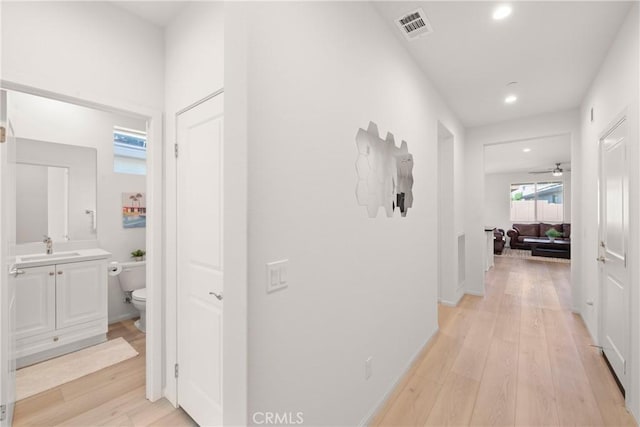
x: 518, y: 356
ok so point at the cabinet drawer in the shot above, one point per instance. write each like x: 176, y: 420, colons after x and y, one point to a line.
x: 44, y: 346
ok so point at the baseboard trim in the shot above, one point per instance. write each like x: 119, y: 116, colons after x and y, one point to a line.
x: 450, y: 303
x: 474, y: 293
x: 383, y: 401
x: 122, y: 317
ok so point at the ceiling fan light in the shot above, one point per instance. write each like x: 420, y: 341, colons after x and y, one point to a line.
x: 556, y: 173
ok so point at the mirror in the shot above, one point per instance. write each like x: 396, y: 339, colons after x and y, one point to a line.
x: 42, y: 194
x: 385, y: 173
x: 55, y: 191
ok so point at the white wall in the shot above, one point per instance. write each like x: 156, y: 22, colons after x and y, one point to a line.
x: 195, y: 68
x: 561, y: 123
x: 497, y: 196
x: 614, y: 91
x: 89, y: 50
x: 358, y: 287
x: 97, y: 53
x: 52, y: 121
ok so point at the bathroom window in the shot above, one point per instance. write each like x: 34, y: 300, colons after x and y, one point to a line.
x: 129, y: 151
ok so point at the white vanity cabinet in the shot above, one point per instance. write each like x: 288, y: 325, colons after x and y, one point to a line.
x: 35, y: 301
x: 81, y: 293
x: 60, y: 308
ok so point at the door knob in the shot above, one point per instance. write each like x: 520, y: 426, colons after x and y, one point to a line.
x: 219, y: 296
x: 601, y: 259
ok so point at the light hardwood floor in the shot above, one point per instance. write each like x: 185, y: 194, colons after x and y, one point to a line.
x: 518, y: 356
x: 515, y: 357
x: 113, y: 396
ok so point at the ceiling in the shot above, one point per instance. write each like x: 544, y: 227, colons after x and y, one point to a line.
x: 159, y: 13
x: 544, y: 153
x: 552, y: 49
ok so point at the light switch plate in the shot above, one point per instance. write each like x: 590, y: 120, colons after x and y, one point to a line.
x: 277, y: 275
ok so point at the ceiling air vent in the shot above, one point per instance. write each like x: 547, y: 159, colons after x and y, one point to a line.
x: 414, y: 24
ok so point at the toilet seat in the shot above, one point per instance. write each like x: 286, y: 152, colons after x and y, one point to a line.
x: 139, y: 295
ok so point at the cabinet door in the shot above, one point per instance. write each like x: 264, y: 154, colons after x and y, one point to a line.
x: 35, y: 301
x: 81, y: 292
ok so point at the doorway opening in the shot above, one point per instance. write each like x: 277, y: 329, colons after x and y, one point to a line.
x: 527, y: 206
x: 199, y: 258
x: 88, y: 210
x: 449, y: 280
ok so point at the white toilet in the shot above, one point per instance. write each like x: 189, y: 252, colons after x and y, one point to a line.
x: 132, y: 279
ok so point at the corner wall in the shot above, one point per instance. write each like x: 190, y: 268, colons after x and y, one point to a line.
x: 357, y: 287
x: 614, y: 91
x: 195, y: 64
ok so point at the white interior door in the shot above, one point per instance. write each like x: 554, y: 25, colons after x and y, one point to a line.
x: 200, y: 263
x: 614, y: 226
x: 7, y: 279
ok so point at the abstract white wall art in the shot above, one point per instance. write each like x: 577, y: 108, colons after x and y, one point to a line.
x: 385, y: 173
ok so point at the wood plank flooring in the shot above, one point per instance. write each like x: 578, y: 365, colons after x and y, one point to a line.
x: 113, y: 396
x: 518, y: 356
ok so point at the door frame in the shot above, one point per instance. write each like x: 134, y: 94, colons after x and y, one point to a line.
x: 154, y: 233
x: 235, y: 244
x: 450, y: 290
x: 611, y: 126
x: 213, y: 96
x: 7, y: 313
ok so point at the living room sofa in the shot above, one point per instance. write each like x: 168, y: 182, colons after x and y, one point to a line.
x: 519, y: 232
x: 498, y: 241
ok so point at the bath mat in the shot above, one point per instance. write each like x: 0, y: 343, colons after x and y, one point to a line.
x: 51, y: 373
x: 525, y: 254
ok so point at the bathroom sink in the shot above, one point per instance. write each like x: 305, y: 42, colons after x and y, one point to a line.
x: 79, y: 255
x: 50, y: 256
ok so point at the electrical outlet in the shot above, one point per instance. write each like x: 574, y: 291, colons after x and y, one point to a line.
x: 368, y: 367
x: 277, y: 275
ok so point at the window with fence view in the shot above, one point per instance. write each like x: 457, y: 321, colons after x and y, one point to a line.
x: 537, y: 202
x: 129, y: 151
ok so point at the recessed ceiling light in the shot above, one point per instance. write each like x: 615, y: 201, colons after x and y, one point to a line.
x: 510, y: 99
x: 526, y: 150
x: 501, y: 12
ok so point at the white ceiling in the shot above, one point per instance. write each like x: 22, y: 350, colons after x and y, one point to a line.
x: 159, y: 13
x: 545, y: 153
x: 552, y: 49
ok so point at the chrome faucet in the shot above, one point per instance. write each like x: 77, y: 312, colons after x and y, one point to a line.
x: 47, y: 241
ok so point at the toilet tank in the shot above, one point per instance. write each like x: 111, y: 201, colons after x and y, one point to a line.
x: 133, y: 275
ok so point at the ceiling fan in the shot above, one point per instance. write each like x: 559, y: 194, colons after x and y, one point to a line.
x: 557, y: 171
